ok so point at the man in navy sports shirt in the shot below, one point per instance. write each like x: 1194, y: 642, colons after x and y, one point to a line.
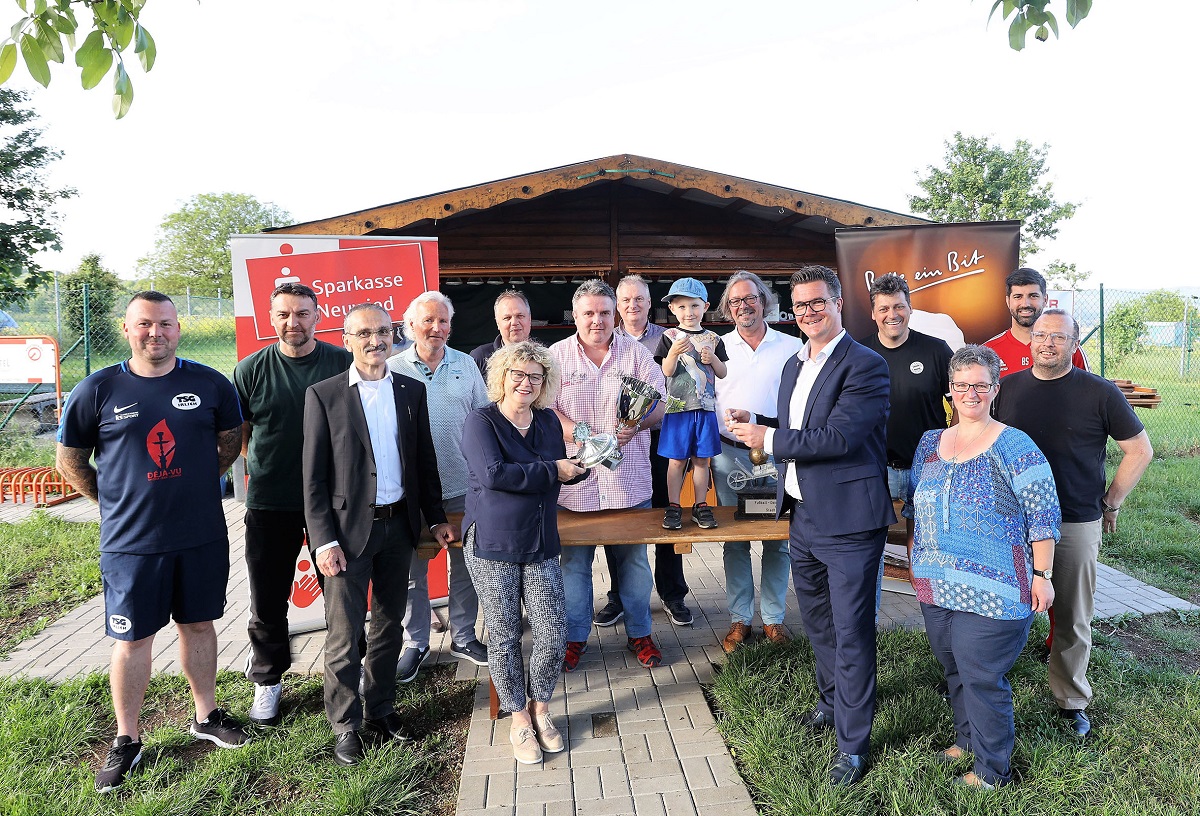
x: 162, y: 431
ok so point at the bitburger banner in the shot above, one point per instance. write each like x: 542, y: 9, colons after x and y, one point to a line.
x: 955, y: 273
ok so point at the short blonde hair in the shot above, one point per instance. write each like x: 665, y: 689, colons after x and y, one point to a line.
x: 527, y: 351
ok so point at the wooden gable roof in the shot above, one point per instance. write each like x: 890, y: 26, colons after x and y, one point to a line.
x: 786, y: 210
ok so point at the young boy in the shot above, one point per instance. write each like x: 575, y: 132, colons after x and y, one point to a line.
x: 691, y: 359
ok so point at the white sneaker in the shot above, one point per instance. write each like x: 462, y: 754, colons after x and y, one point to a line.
x: 265, y: 710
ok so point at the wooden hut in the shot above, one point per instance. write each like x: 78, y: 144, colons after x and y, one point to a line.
x: 547, y: 231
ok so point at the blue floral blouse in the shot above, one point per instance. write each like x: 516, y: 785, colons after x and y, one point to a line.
x: 975, y: 522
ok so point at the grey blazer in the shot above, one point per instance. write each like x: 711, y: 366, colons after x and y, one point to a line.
x: 339, y: 466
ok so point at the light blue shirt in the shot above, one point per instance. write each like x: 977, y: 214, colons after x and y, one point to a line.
x: 454, y: 390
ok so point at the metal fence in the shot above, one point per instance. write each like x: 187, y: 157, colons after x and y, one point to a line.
x: 207, y: 334
x: 1148, y: 338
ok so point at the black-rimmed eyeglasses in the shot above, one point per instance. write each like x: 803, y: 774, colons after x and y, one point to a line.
x: 978, y: 388
x: 818, y: 305
x: 748, y: 300
x: 518, y: 376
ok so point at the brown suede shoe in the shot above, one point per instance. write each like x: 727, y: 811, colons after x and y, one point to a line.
x: 776, y: 633
x: 739, y: 633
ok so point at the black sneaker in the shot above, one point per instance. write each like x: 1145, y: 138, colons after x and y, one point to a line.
x: 678, y: 614
x: 474, y: 651
x: 610, y: 614
x: 410, y: 663
x: 123, y: 757
x: 221, y: 729
x: 673, y: 518
x: 702, y: 517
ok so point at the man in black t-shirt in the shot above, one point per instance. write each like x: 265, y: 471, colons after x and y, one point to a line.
x: 1071, y: 414
x: 270, y: 384
x: 919, y: 366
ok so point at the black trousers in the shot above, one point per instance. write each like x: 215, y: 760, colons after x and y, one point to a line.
x: 273, y: 541
x: 383, y: 565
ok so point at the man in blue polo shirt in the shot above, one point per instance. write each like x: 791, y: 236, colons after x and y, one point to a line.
x: 162, y: 431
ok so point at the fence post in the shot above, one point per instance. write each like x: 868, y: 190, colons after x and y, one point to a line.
x: 1102, y: 320
x: 1185, y: 345
x: 218, y: 302
x: 87, y: 333
x: 57, y: 309
x: 189, y: 301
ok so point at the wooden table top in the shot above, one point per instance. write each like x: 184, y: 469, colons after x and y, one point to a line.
x: 643, y: 527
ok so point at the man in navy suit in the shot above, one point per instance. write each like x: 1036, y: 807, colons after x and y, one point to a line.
x: 830, y: 437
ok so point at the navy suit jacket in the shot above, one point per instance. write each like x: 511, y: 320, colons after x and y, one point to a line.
x: 840, y: 455
x: 339, y: 463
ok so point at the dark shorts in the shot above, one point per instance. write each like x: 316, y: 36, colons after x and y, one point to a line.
x: 143, y: 592
x: 689, y: 433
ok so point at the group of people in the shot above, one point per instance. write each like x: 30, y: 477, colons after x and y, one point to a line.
x: 359, y: 449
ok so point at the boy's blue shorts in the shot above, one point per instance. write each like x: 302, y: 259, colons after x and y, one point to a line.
x: 689, y: 433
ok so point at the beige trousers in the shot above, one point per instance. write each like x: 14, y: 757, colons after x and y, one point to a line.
x: 1074, y: 602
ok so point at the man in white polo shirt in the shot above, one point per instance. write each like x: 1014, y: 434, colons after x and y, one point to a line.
x: 757, y: 354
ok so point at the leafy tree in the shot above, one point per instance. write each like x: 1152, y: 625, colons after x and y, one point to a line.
x: 1064, y: 275
x: 985, y: 182
x: 192, y: 248
x: 28, y: 221
x: 103, y: 289
x: 1161, y: 306
x: 47, y: 34
x: 1037, y: 15
x: 1124, y: 327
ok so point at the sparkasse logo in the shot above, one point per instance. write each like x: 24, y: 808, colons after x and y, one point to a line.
x: 185, y: 402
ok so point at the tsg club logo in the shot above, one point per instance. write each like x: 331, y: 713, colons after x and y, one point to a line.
x: 160, y: 444
x: 916, y: 367
x: 119, y: 624
x: 185, y: 402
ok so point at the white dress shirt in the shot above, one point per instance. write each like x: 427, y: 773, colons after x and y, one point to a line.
x: 809, y: 369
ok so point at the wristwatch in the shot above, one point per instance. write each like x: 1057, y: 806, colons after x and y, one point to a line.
x: 1046, y: 573
x: 1108, y: 508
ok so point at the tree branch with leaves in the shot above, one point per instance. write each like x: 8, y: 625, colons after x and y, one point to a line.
x: 984, y: 182
x: 1036, y: 15
x: 47, y: 33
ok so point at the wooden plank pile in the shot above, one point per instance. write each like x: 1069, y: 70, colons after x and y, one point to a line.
x: 1139, y: 396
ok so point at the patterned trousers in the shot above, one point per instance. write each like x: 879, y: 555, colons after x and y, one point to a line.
x: 502, y: 588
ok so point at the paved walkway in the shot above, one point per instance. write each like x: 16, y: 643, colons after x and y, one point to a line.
x: 640, y: 742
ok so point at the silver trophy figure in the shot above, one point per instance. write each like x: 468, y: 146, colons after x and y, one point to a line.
x: 596, y: 449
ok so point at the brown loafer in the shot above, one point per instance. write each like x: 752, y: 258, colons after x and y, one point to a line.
x: 739, y: 633
x: 776, y: 633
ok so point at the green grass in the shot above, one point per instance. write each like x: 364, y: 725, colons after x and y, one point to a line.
x: 1158, y: 530
x: 47, y: 567
x: 1174, y: 427
x: 19, y: 449
x: 53, y: 738
x: 1141, y: 761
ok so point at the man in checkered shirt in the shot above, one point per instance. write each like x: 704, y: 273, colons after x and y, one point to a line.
x: 590, y: 362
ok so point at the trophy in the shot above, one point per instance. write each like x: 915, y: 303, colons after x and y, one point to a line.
x: 762, y: 465
x: 596, y: 449
x: 638, y: 398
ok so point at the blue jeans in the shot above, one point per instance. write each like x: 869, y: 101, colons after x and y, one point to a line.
x: 976, y: 678
x: 633, y: 576
x: 739, y: 575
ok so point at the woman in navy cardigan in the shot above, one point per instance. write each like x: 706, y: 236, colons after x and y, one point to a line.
x: 516, y: 462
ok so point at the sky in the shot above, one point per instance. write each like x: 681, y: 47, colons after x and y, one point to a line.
x: 326, y: 108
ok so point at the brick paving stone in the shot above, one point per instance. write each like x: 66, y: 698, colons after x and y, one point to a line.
x: 662, y: 747
x: 679, y: 803
x: 650, y: 804
x: 472, y: 793
x: 614, y: 781
x: 501, y: 789
x: 586, y: 782
x: 620, y: 806
x: 699, y: 773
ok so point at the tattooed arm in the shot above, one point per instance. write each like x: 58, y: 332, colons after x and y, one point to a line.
x: 75, y: 465
x: 229, y: 447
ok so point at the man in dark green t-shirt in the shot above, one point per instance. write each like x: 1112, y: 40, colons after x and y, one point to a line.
x: 271, y: 385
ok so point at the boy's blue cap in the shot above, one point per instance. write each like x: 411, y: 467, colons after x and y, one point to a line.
x: 687, y: 287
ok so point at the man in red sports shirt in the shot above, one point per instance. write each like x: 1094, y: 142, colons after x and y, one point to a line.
x: 1025, y: 295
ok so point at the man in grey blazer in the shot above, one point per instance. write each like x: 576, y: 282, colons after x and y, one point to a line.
x: 370, y: 470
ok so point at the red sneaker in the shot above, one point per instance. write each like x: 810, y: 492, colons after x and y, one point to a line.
x: 575, y: 650
x: 647, y: 653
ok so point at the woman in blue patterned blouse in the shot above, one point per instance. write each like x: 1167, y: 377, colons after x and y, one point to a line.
x: 987, y: 519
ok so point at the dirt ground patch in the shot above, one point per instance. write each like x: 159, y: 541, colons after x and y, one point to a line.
x: 1165, y: 639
